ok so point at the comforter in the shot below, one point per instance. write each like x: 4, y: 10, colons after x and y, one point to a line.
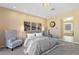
x: 38, y: 46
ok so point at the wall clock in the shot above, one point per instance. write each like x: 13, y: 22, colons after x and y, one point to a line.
x: 52, y: 24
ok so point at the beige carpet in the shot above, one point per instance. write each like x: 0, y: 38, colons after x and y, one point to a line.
x: 16, y: 51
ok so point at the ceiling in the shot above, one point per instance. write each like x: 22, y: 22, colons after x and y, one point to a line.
x: 39, y: 10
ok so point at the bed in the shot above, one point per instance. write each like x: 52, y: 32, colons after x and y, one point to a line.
x: 49, y: 46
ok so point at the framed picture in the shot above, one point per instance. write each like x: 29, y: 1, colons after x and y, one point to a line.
x: 26, y: 26
x: 39, y: 27
x: 33, y: 26
x: 29, y: 26
x: 68, y: 26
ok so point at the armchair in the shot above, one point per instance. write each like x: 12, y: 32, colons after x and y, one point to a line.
x: 11, y: 39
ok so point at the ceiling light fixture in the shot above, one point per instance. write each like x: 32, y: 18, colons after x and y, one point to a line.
x: 48, y: 6
x: 69, y: 19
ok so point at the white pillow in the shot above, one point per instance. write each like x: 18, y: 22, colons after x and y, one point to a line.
x: 31, y: 35
x: 39, y: 35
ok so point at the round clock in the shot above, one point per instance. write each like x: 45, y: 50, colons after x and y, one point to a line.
x: 52, y: 24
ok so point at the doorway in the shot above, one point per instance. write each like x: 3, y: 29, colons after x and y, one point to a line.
x: 68, y: 29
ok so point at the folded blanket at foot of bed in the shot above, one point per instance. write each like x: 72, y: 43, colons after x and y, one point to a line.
x: 40, y: 45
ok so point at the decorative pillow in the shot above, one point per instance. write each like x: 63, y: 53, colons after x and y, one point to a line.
x: 39, y: 34
x: 30, y: 35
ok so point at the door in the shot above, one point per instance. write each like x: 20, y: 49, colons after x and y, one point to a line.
x: 68, y: 29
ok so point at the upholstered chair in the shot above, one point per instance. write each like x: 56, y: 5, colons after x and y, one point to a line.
x: 11, y: 40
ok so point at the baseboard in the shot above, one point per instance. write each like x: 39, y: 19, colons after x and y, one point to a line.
x: 1, y: 46
x: 72, y: 42
x: 75, y: 42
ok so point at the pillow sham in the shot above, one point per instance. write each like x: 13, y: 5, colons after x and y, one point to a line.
x: 39, y: 34
x: 30, y: 35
